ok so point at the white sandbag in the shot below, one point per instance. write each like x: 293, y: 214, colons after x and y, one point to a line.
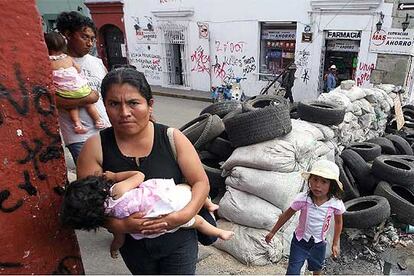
x: 272, y: 155
x: 386, y: 87
x: 248, y: 245
x: 328, y: 133
x: 283, y: 154
x: 299, y: 127
x: 356, y: 108
x: 353, y: 94
x: 347, y: 84
x: 247, y: 209
x: 277, y: 188
x: 336, y: 98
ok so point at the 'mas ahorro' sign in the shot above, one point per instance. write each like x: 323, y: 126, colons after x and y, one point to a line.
x: 353, y: 35
x: 392, y: 41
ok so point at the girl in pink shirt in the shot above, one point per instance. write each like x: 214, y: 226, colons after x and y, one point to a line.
x: 317, y: 206
x: 69, y: 82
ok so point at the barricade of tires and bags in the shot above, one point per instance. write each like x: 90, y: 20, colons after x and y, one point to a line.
x: 254, y: 152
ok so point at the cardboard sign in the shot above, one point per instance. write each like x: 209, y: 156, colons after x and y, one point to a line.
x: 399, y: 116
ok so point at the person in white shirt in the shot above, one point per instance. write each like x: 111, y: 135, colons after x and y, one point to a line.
x: 317, y: 206
x: 80, y: 33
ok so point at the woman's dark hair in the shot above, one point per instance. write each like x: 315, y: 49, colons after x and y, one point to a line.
x: 84, y: 203
x: 334, y: 190
x: 55, y: 42
x: 130, y: 76
x: 73, y: 22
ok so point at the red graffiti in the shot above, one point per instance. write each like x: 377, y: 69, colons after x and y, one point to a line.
x: 201, y: 61
x: 364, y: 73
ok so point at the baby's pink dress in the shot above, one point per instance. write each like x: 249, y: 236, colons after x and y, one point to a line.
x: 154, y: 197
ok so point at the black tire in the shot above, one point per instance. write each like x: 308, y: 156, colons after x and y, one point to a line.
x: 212, y: 168
x: 232, y: 114
x: 401, y: 201
x: 401, y: 145
x: 259, y: 125
x: 203, y: 129
x: 294, y: 111
x: 394, y: 170
x: 321, y: 112
x: 360, y: 170
x: 365, y: 212
x: 221, y: 109
x: 221, y: 148
x: 408, y: 158
x: 261, y: 101
x: 350, y: 191
x: 387, y: 147
x: 408, y: 106
x: 368, y: 151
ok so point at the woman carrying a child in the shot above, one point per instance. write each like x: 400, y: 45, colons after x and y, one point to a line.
x: 136, y: 143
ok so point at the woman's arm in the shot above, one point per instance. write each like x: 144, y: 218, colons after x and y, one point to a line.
x: 64, y: 103
x: 90, y: 163
x: 193, y: 171
x: 283, y: 218
x: 337, y: 235
x: 125, y: 181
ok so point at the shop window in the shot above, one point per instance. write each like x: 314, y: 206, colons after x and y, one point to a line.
x: 277, y: 48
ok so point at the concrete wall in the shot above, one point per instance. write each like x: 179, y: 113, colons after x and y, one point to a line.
x: 31, y: 156
x: 233, y: 47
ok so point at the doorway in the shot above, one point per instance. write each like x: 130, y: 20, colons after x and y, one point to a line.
x: 174, y: 41
x: 174, y: 53
x: 113, y: 43
x: 344, y: 55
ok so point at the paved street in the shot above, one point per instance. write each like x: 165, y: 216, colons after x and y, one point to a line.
x: 174, y: 112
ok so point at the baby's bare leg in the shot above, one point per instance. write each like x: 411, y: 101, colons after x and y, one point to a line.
x: 210, y: 206
x: 78, y: 127
x: 206, y: 228
x: 94, y: 114
x: 117, y: 243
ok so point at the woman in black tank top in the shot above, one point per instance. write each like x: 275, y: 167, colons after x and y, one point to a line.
x: 135, y: 142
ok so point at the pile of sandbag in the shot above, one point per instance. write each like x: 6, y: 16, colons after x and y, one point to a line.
x: 262, y: 180
x: 366, y: 111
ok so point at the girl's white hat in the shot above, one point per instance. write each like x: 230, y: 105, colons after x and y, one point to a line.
x: 326, y: 169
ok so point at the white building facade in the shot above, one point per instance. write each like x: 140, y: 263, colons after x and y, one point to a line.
x: 193, y: 44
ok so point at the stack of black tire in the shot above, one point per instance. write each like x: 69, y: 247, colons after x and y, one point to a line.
x: 224, y: 126
x: 378, y: 178
x: 407, y: 131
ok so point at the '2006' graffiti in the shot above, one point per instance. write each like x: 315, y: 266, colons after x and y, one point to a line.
x: 229, y: 47
x: 364, y: 73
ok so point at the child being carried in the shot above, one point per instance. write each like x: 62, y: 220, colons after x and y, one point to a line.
x: 88, y: 201
x: 69, y: 82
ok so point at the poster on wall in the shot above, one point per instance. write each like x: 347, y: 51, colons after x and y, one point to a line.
x: 392, y: 41
x: 203, y: 31
x: 144, y: 29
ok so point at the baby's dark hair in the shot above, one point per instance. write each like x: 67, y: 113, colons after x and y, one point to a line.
x: 334, y: 190
x: 84, y: 203
x: 73, y: 22
x: 55, y: 42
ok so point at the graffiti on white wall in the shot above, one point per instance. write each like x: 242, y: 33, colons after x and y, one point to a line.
x: 147, y: 62
x: 364, y: 71
x: 230, y: 60
x: 302, y: 63
x: 200, y: 61
x: 167, y: 1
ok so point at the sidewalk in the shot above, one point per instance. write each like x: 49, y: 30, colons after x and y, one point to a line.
x: 181, y: 93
